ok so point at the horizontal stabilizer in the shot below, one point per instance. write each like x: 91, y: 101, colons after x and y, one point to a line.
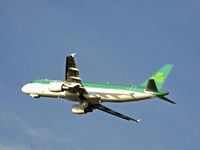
x: 166, y: 99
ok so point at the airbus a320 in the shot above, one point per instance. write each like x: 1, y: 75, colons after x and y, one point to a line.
x: 90, y: 96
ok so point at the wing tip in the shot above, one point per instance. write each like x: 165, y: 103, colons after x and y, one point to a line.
x: 73, y: 54
x: 138, y: 120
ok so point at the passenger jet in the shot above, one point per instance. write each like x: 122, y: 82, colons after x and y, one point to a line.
x: 90, y: 96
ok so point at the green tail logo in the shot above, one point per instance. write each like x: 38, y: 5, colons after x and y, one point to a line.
x: 160, y: 76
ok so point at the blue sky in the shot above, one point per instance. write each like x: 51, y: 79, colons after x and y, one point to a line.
x: 121, y: 42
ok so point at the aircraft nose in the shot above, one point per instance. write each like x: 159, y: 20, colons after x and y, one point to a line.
x: 25, y: 88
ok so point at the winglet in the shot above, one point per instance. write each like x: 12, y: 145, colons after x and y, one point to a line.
x: 138, y: 120
x: 73, y: 54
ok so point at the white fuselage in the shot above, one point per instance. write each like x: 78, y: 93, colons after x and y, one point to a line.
x: 94, y: 94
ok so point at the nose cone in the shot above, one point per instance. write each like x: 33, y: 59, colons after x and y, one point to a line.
x: 25, y: 89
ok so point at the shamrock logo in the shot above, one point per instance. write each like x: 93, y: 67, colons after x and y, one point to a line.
x: 159, y: 77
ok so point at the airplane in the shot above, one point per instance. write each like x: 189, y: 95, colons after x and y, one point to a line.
x: 90, y: 95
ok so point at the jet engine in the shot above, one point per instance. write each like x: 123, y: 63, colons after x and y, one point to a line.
x: 57, y: 87
x: 80, y: 109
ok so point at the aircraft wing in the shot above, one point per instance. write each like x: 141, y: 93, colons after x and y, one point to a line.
x: 72, y: 76
x: 108, y: 110
x: 73, y: 80
x: 72, y: 71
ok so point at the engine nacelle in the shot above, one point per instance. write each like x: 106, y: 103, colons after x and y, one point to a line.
x: 78, y: 109
x: 56, y: 86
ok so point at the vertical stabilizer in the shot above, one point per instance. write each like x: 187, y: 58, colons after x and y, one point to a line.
x: 151, y: 86
x: 160, y: 76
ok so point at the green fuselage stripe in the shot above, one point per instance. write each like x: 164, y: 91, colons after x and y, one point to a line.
x: 105, y: 86
x: 90, y: 84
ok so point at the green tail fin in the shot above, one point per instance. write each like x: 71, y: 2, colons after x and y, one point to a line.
x: 160, y: 76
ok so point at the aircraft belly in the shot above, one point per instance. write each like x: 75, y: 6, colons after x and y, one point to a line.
x: 107, y: 95
x: 115, y: 98
x: 72, y: 96
x: 143, y: 96
x: 63, y: 94
x: 47, y: 93
x: 43, y: 91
